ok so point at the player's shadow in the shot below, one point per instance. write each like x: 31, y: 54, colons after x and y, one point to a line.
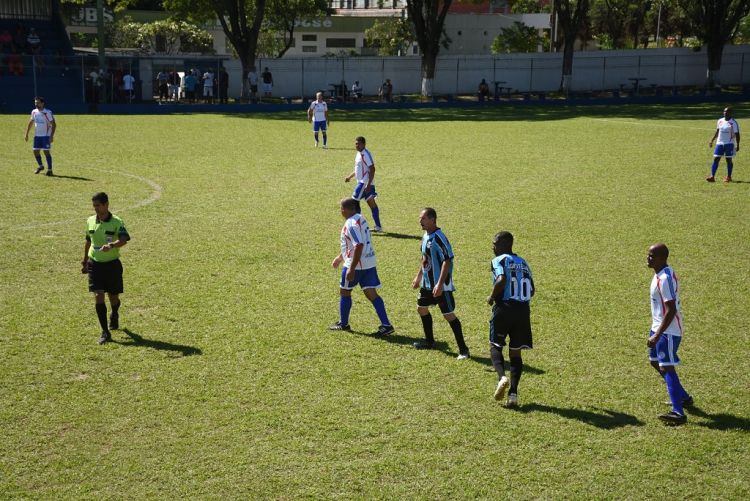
x: 390, y: 234
x: 487, y: 362
x: 75, y: 178
x: 394, y: 338
x: 138, y: 340
x: 722, y: 422
x: 601, y: 418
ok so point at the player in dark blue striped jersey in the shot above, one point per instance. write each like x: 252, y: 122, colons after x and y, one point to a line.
x: 513, y: 287
x: 435, y: 282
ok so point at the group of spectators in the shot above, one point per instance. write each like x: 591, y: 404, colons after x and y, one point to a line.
x: 193, y: 85
x: 115, y: 84
x: 13, y: 46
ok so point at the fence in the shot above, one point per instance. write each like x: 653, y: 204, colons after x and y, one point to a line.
x: 79, y: 79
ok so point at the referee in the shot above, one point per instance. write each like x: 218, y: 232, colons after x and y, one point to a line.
x: 105, y: 234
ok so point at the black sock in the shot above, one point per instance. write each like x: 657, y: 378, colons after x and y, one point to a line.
x: 115, y: 308
x: 496, y: 354
x: 101, y: 312
x: 459, y: 334
x: 516, y: 368
x: 427, y: 326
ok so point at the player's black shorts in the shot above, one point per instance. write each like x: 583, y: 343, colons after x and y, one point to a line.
x: 105, y: 277
x: 444, y: 301
x: 511, y: 319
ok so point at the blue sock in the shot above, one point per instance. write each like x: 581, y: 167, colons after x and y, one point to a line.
x: 376, y: 215
x: 676, y: 392
x: 49, y: 161
x: 715, y: 166
x: 39, y: 160
x: 380, y: 310
x: 325, y: 139
x: 345, y: 306
x: 730, y: 166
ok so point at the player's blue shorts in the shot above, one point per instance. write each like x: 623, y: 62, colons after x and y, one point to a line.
x: 42, y: 143
x: 665, y: 351
x: 724, y: 150
x: 359, y: 192
x: 321, y: 125
x: 367, y: 279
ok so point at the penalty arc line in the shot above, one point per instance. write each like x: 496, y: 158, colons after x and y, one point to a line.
x: 153, y: 197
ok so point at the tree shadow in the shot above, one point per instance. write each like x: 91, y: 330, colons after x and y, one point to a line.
x: 396, y: 235
x: 723, y: 422
x: 75, y: 178
x: 138, y: 340
x: 603, y: 418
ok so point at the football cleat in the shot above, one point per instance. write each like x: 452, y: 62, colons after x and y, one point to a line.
x: 377, y: 229
x: 502, y: 385
x: 728, y: 179
x: 463, y: 355
x: 105, y: 337
x: 384, y: 330
x: 38, y: 169
x: 710, y: 179
x: 339, y: 327
x: 512, y: 401
x: 49, y: 173
x: 423, y: 345
x: 673, y: 418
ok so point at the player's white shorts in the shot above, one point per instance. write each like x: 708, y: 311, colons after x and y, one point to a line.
x: 267, y: 87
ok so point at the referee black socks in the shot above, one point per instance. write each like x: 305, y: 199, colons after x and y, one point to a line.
x: 101, y: 313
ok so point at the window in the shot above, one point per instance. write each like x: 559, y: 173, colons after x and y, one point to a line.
x: 309, y: 38
x: 336, y: 43
x: 309, y: 48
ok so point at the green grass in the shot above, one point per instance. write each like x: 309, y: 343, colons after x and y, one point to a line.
x: 225, y: 382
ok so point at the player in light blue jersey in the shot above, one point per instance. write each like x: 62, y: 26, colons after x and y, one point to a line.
x: 666, y: 331
x: 513, y: 288
x: 435, y: 283
x: 358, y: 257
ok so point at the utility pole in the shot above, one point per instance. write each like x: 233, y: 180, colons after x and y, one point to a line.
x: 100, y: 30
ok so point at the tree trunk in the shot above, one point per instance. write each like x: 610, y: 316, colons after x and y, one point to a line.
x: 567, y: 65
x: 715, y: 51
x: 248, y: 62
x: 429, y: 61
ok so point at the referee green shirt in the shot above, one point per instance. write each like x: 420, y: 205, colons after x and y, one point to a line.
x: 100, y: 232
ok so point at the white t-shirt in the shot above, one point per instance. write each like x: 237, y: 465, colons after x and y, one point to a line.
x: 208, y: 79
x: 727, y: 130
x: 128, y: 81
x: 355, y: 232
x: 252, y: 77
x: 665, y: 287
x: 362, y: 163
x: 319, y: 110
x: 42, y: 122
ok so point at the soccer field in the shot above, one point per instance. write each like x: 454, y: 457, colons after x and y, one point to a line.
x: 224, y: 381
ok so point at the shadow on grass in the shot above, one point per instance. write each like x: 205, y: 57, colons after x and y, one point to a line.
x: 75, y: 178
x: 138, y: 340
x: 722, y: 422
x: 396, y: 235
x: 487, y: 362
x: 603, y: 418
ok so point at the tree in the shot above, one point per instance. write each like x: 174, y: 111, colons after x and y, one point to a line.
x: 715, y: 23
x: 241, y: 21
x: 620, y: 21
x: 391, y: 37
x: 571, y: 16
x: 428, y: 18
x: 516, y: 38
x: 282, y: 16
x: 167, y: 36
x: 529, y: 7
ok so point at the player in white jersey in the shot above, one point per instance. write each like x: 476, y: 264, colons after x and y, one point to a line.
x: 317, y: 113
x: 358, y: 257
x: 44, y: 133
x: 666, y: 331
x: 727, y: 136
x: 364, y: 172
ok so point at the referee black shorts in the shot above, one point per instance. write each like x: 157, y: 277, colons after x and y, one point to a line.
x: 511, y: 319
x: 105, y: 277
x: 444, y: 301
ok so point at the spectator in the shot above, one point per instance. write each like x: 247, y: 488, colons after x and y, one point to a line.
x: 386, y: 91
x: 190, y: 82
x: 6, y: 41
x: 223, y: 86
x: 483, y: 91
x: 174, y: 86
x: 33, y: 42
x: 19, y: 39
x: 252, y: 80
x: 356, y: 91
x: 208, y: 86
x: 162, y: 78
x: 128, y: 86
x: 15, y: 64
x: 267, y: 82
